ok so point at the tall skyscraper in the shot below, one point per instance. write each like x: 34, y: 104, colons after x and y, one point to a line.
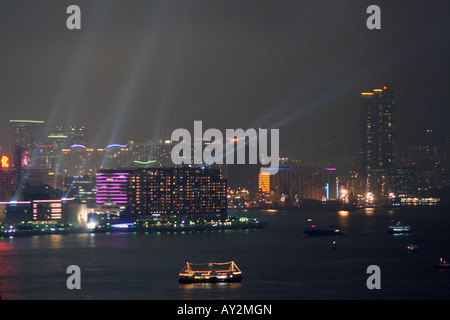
x: 27, y: 133
x: 377, y: 133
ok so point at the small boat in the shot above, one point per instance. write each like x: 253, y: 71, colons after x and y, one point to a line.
x: 312, y: 230
x: 412, y: 247
x: 399, y: 228
x: 442, y: 264
x: 210, y: 272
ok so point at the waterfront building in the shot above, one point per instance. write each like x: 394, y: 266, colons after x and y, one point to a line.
x: 8, y: 182
x: 406, y: 182
x: 175, y: 193
x: 112, y: 187
x: 82, y: 189
x: 377, y: 136
x: 297, y: 185
x: 47, y: 211
x: 264, y: 187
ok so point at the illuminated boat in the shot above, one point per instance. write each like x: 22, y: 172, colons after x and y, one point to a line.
x: 312, y: 230
x: 399, y: 228
x: 442, y: 264
x: 412, y: 247
x: 210, y: 272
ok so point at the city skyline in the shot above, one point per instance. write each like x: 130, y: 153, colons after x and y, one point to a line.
x: 296, y: 67
x: 305, y: 141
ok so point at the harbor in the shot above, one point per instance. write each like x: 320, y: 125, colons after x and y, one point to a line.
x: 146, y: 265
x: 132, y: 225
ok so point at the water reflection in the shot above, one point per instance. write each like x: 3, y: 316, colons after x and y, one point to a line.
x: 7, y: 269
x: 208, y: 286
x: 343, y: 219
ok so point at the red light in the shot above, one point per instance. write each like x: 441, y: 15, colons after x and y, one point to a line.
x: 4, y: 162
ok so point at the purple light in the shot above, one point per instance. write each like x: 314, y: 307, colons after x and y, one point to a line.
x: 330, y: 169
x: 116, y: 145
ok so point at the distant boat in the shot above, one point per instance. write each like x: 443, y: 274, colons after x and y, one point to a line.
x: 442, y: 264
x: 399, y: 228
x: 210, y: 272
x: 312, y: 230
x: 412, y: 247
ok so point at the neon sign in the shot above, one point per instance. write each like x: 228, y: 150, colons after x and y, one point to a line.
x: 4, y: 162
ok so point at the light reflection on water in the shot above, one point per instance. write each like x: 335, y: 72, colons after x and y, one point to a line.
x: 7, y: 268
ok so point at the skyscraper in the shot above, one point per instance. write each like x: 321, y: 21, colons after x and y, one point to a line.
x: 377, y: 131
x: 27, y: 133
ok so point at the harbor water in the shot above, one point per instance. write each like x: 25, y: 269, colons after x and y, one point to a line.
x: 279, y: 262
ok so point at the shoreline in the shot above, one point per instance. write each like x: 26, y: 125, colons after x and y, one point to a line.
x: 143, y: 228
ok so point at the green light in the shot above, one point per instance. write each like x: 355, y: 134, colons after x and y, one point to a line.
x: 144, y: 162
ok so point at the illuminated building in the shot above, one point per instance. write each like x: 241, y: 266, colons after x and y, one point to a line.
x: 37, y: 177
x: 292, y: 185
x: 406, y: 181
x: 296, y: 185
x: 177, y: 192
x: 26, y: 133
x: 377, y: 132
x: 8, y: 179
x: 114, y: 156
x: 264, y: 186
x: 44, y: 144
x: 79, y: 160
x: 77, y: 134
x: 45, y: 211
x: 156, y: 153
x: 82, y: 189
x: 64, y: 136
x: 112, y: 187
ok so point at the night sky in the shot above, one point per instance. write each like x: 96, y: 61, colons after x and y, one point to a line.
x: 298, y: 66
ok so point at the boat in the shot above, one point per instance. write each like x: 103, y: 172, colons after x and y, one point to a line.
x: 442, y: 264
x: 399, y: 228
x: 412, y: 247
x: 210, y: 272
x: 312, y: 230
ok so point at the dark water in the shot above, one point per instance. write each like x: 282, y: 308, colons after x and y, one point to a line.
x: 278, y: 262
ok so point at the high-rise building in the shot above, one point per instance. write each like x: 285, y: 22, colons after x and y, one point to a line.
x: 27, y: 133
x: 377, y: 133
x: 65, y: 136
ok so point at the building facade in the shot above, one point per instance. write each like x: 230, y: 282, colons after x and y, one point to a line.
x: 377, y: 137
x: 177, y: 193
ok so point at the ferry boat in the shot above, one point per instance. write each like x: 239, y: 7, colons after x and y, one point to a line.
x: 312, y: 230
x: 210, y: 272
x: 442, y: 264
x: 399, y: 228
